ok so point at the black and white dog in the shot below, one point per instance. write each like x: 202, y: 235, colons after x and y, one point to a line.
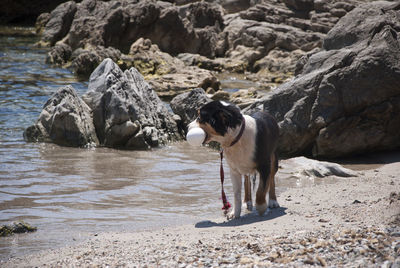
x: 249, y: 143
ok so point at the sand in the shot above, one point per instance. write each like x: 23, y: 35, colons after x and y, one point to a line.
x: 352, y: 222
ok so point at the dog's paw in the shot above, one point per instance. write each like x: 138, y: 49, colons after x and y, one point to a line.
x: 261, y: 208
x: 231, y: 215
x: 273, y: 203
x: 249, y: 205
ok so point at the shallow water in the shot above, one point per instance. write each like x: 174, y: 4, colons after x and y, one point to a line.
x: 71, y: 193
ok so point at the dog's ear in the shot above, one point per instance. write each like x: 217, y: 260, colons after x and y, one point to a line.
x: 218, y: 122
x: 225, y: 116
x: 231, y: 116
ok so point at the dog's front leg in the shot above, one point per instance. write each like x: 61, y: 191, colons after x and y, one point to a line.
x: 236, y: 179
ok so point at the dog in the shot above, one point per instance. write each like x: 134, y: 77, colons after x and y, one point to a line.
x: 249, y: 144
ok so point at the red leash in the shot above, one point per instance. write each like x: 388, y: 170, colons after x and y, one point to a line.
x: 225, y: 201
x: 227, y: 205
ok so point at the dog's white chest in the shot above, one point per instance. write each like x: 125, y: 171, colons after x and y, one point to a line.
x: 240, y: 157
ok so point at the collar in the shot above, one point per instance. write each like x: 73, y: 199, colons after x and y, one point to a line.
x: 237, y: 138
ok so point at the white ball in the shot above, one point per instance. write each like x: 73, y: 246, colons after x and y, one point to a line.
x: 196, y: 136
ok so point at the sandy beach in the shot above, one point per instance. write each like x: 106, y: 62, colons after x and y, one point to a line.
x: 354, y: 222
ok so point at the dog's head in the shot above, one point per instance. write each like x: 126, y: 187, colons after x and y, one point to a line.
x: 218, y: 119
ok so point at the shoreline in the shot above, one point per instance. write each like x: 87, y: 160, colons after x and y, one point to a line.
x: 352, y: 222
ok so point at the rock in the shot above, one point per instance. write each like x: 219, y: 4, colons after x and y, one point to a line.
x: 59, y: 54
x: 244, y: 97
x: 65, y: 120
x: 302, y: 166
x: 41, y: 22
x: 233, y: 6
x: 166, y: 74
x: 187, y: 104
x: 191, y: 28
x: 150, y: 61
x: 221, y: 95
x: 84, y: 61
x: 199, y: 31
x: 216, y: 64
x: 59, y: 23
x: 301, y: 5
x: 345, y: 99
x: 16, y: 228
x: 249, y: 39
x: 170, y: 85
x: 278, y: 61
x: 126, y: 111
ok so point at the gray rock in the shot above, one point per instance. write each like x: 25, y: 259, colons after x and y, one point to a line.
x: 233, y: 6
x: 191, y: 28
x: 41, y: 22
x: 126, y: 111
x: 345, y: 99
x: 59, y: 23
x: 187, y: 104
x: 166, y: 74
x: 304, y: 167
x: 59, y: 54
x: 64, y: 120
x: 84, y: 61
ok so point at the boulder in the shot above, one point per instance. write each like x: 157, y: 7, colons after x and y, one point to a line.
x: 233, y: 6
x: 149, y: 60
x: 59, y: 54
x: 127, y: 113
x: 305, y: 168
x: 166, y: 74
x: 216, y: 64
x: 190, y: 28
x: 345, y: 98
x: 41, y: 22
x: 65, y: 120
x: 59, y: 22
x: 84, y: 61
x: 187, y: 104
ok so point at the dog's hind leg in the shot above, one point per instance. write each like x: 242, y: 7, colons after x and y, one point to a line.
x: 261, y: 203
x: 247, y: 193
x: 272, y: 202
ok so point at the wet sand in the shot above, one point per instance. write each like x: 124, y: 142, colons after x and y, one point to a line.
x: 352, y: 222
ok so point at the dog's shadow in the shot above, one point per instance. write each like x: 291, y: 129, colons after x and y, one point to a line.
x: 249, y: 218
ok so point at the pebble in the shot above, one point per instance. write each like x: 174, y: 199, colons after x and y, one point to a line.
x: 346, y: 247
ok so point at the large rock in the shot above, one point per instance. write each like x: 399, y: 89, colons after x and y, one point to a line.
x: 166, y: 74
x: 65, y: 120
x: 190, y: 28
x: 126, y: 111
x: 346, y: 98
x: 59, y: 23
x: 187, y: 104
x: 302, y: 167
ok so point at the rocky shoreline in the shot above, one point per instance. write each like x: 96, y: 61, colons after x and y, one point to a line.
x: 262, y: 38
x: 343, y: 100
